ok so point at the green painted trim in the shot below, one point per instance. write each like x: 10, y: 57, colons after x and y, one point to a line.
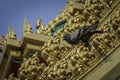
x: 57, y: 27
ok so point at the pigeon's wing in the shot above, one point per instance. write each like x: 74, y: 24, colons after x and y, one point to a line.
x: 82, y: 32
x: 74, y: 35
x: 95, y: 31
x: 93, y: 27
x: 78, y: 33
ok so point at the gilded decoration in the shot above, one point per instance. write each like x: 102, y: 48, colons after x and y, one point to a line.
x: 75, y: 61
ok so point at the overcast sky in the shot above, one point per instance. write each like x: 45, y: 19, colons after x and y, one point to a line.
x: 13, y: 12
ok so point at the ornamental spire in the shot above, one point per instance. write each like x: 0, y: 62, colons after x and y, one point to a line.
x: 27, y: 27
x: 11, y: 34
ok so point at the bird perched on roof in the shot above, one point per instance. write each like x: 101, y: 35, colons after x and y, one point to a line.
x: 83, y: 34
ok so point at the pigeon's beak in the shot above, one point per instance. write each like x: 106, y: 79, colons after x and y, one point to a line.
x: 64, y: 37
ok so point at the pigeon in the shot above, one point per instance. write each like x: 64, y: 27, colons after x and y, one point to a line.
x: 82, y: 35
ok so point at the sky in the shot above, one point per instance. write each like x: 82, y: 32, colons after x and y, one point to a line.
x: 13, y: 12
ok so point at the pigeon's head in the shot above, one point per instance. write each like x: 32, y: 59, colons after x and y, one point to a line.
x: 66, y: 37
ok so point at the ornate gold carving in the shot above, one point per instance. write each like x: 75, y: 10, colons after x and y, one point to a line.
x: 30, y: 68
x: 65, y: 63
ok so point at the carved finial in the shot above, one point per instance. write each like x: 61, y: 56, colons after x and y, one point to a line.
x: 38, y: 23
x: 7, y: 36
x: 11, y: 34
x: 39, y: 26
x: 70, y: 2
x: 77, y: 0
x: 82, y: 1
x: 27, y: 27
